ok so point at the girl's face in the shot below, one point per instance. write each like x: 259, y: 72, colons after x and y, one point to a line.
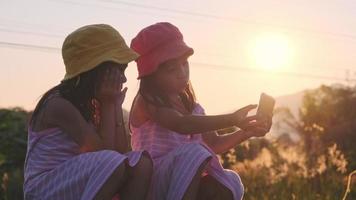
x: 173, y: 76
x: 113, y: 68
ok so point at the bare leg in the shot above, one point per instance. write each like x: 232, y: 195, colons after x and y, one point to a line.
x: 112, y: 185
x: 211, y: 189
x: 139, y: 181
x: 192, y: 190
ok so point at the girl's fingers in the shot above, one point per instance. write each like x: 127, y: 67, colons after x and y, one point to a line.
x: 112, y: 79
x: 118, y: 87
x: 253, y: 122
x: 119, y: 80
x: 123, y: 91
x: 258, y: 132
x: 255, y: 125
x: 248, y: 108
x: 122, y: 95
x: 248, y: 126
x: 251, y: 118
x: 261, y: 132
x: 111, y: 83
x: 116, y: 81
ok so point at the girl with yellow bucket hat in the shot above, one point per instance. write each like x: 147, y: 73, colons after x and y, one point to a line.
x: 77, y: 145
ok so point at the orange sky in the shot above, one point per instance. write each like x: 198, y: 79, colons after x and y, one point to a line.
x: 321, y: 35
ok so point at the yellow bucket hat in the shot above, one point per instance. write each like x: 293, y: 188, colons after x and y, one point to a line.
x: 91, y: 45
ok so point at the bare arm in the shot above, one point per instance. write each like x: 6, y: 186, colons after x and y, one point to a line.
x: 122, y: 145
x: 111, y: 97
x: 107, y: 129
x: 194, y: 124
x: 222, y: 143
x: 63, y: 114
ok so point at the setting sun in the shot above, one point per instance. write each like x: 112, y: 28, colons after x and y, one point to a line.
x: 270, y: 51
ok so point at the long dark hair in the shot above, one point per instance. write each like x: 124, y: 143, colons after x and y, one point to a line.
x: 80, y: 91
x: 154, y: 96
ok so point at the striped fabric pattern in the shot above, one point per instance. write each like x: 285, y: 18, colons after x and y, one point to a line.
x: 55, y: 168
x: 176, y: 158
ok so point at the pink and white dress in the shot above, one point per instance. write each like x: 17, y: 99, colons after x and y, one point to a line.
x: 56, y: 169
x: 176, y: 159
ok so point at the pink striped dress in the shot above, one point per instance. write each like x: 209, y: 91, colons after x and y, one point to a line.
x: 56, y: 169
x: 176, y: 159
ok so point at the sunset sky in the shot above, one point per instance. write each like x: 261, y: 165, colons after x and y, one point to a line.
x: 242, y: 48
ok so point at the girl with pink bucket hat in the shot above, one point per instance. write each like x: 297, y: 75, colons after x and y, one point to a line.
x: 77, y: 145
x: 167, y: 121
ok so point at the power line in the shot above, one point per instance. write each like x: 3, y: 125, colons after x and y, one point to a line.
x: 205, y: 65
x: 250, y: 70
x: 31, y: 33
x: 81, y: 4
x: 6, y: 22
x: 58, y: 36
x: 204, y: 15
x: 110, y: 8
x: 30, y: 46
x: 229, y: 57
x: 239, y: 20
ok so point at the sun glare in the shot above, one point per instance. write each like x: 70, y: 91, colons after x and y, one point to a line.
x: 271, y: 51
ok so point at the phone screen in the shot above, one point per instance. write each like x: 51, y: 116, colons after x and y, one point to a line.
x: 265, y: 106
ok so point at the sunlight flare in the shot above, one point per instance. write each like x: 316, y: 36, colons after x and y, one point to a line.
x: 270, y: 51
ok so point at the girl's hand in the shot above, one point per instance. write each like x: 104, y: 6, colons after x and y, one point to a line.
x: 260, y: 128
x: 257, y: 132
x: 109, y: 87
x: 267, y: 122
x: 241, y: 119
x: 121, y: 97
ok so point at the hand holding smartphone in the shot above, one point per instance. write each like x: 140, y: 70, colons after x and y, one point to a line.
x: 265, y: 106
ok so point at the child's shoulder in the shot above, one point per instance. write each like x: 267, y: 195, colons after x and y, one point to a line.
x: 57, y: 104
x: 59, y: 111
x: 139, y: 111
x: 52, y: 106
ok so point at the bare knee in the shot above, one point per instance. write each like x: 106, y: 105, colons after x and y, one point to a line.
x: 120, y: 173
x: 210, y: 188
x: 113, y: 183
x: 222, y: 191
x: 226, y: 193
x: 144, y: 165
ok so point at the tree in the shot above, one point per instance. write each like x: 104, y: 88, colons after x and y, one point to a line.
x: 13, y: 144
x: 329, y: 113
x: 316, y: 165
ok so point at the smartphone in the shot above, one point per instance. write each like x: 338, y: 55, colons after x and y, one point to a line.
x: 265, y: 106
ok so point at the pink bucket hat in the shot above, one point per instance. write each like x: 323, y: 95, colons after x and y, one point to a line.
x: 157, y: 44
